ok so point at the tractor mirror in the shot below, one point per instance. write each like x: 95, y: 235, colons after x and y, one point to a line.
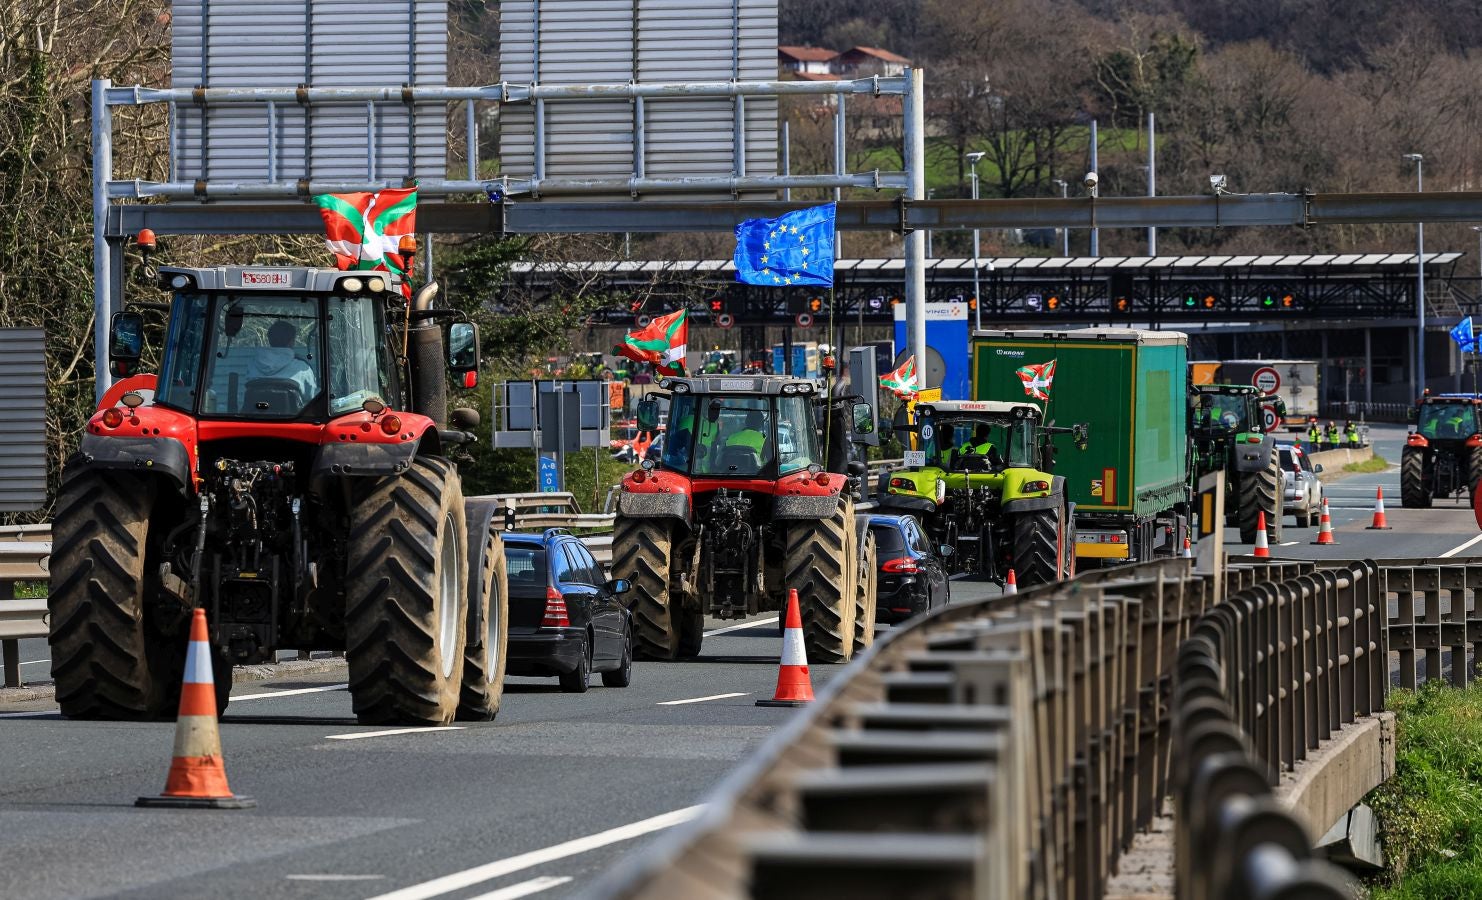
x: 125, y: 342
x: 648, y: 414
x: 945, y: 550
x: 864, y: 419
x: 1412, y: 414
x: 1280, y: 406
x: 463, y: 347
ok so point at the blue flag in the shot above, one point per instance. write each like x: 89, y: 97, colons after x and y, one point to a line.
x: 1464, y: 337
x: 792, y: 249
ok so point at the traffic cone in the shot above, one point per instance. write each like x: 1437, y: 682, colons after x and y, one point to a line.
x: 1011, y: 585
x: 1379, y: 521
x: 1325, y: 526
x: 1188, y: 549
x: 197, y: 777
x: 794, y: 687
x: 1262, y: 548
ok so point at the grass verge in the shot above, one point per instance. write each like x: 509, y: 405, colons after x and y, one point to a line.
x: 1376, y: 463
x: 1430, y: 812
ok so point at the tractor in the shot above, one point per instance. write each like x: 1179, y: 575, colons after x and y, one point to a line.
x: 1443, y: 455
x: 288, y: 472
x: 750, y: 498
x: 1228, y: 430
x: 982, y: 485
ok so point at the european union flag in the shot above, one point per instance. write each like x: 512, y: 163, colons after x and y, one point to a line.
x: 1464, y: 337
x: 792, y: 249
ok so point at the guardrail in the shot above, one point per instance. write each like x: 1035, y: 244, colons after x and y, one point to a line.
x: 25, y: 551
x: 1016, y: 747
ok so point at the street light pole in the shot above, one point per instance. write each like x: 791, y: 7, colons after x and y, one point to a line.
x: 1064, y: 231
x: 973, y: 159
x: 1419, y: 161
x: 930, y: 194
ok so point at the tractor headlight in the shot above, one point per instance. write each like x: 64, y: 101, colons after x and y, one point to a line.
x: 353, y: 285
x: 805, y: 388
x: 376, y: 284
x: 179, y: 282
x: 789, y: 389
x: 680, y: 387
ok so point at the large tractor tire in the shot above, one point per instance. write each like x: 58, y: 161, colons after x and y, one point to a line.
x: 406, y: 615
x: 641, y: 549
x: 1474, y: 473
x: 691, y: 632
x: 821, y: 564
x: 865, y: 590
x: 1415, y: 488
x: 101, y: 645
x: 484, y: 655
x: 1261, y: 492
x: 1040, y: 547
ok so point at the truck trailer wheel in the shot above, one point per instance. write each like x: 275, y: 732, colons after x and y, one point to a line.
x: 1415, y: 491
x: 1261, y: 492
x: 1038, y: 549
x: 641, y: 549
x: 820, y: 564
x: 484, y: 657
x: 99, y: 640
x: 406, y: 618
x: 864, y: 590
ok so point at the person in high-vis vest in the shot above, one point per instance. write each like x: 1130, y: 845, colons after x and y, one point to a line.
x: 1314, y: 435
x: 1332, y: 436
x: 1350, y: 431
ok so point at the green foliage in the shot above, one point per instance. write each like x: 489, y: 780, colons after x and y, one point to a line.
x: 1430, y: 812
x: 1376, y: 464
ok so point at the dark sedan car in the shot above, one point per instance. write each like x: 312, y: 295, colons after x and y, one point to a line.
x: 565, y: 618
x: 912, y: 577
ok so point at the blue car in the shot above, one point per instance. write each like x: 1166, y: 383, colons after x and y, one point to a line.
x: 912, y: 575
x: 565, y: 618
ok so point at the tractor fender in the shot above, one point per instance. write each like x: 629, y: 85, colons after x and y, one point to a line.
x: 895, y: 504
x: 335, y: 460
x: 800, y: 507
x: 1056, y: 497
x: 164, y: 455
x: 1416, y: 440
x: 653, y: 506
x: 1253, y: 457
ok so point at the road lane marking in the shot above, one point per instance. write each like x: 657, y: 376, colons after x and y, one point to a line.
x: 357, y: 735
x: 525, y: 888
x: 25, y: 715
x: 741, y: 626
x: 499, y: 868
x: 701, y: 699
x: 1288, y: 543
x: 332, y: 877
x: 35, y: 662
x: 1455, y: 550
x: 292, y: 693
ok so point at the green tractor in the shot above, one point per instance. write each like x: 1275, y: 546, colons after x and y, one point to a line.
x: 981, y: 482
x: 1228, y: 431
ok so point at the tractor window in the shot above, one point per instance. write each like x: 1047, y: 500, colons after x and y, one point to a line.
x: 1020, y: 450
x: 734, y: 436
x: 1447, y: 421
x: 263, y: 359
x: 360, y: 362
x: 950, y: 442
x: 1229, y: 410
x: 181, y: 366
x: 797, y: 439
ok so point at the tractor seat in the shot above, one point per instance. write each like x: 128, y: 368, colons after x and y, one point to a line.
x: 274, y: 396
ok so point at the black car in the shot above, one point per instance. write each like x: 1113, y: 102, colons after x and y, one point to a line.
x: 565, y: 618
x: 912, y: 578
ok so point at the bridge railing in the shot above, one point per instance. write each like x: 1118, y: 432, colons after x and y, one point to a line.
x: 1018, y: 746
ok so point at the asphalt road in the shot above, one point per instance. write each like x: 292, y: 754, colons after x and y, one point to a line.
x: 535, y: 804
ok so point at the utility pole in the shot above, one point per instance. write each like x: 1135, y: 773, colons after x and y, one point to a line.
x: 1152, y: 183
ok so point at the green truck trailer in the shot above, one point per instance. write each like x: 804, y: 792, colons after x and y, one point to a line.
x: 1130, y: 486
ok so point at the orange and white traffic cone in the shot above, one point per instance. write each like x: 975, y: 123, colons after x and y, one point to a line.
x: 1325, y: 526
x: 1380, y: 524
x: 197, y: 777
x: 1263, y: 549
x: 1011, y: 584
x: 1188, y: 549
x: 794, y: 687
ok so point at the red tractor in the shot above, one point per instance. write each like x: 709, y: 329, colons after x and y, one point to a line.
x: 741, y: 506
x: 289, y: 474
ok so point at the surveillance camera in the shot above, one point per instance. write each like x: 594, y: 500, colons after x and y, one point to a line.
x: 1217, y: 182
x: 974, y: 157
x: 1091, y: 179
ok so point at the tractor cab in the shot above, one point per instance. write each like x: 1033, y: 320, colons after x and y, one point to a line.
x: 1229, y: 407
x: 1444, y: 417
x: 738, y: 427
x: 961, y: 437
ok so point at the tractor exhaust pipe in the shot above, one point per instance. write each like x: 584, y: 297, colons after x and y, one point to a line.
x: 427, y: 360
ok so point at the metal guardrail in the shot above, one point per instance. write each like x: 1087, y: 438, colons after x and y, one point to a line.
x: 25, y: 553
x: 1014, y: 747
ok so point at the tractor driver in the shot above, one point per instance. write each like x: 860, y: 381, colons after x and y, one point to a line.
x: 750, y: 434
x: 981, y: 446
x: 277, y: 360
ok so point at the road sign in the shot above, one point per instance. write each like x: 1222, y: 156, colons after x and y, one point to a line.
x: 725, y: 320
x: 805, y: 320
x: 1266, y: 379
x: 1268, y: 414
x: 550, y: 475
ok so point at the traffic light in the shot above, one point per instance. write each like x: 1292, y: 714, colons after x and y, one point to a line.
x: 1268, y: 302
x: 1288, y: 301
x: 1190, y: 302
x: 1052, y: 303
x: 717, y: 306
x: 1209, y: 301
x: 1123, y: 305
x: 815, y: 304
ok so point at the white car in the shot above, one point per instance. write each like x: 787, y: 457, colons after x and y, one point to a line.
x: 1303, y: 491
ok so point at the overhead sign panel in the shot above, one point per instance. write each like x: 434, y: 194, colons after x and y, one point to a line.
x: 567, y: 42
x: 327, y: 43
